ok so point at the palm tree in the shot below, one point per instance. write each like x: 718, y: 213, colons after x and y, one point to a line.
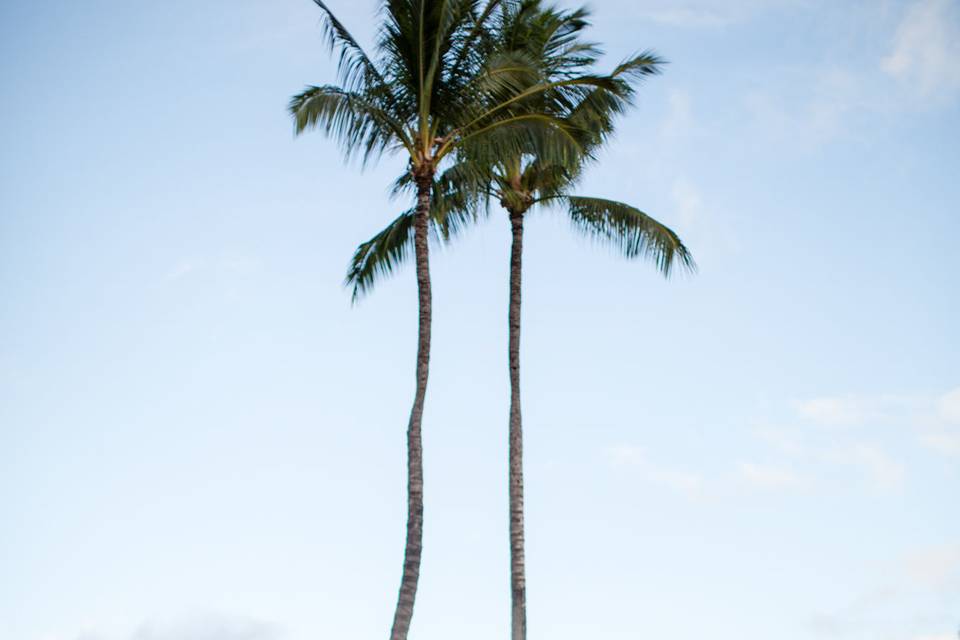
x: 435, y: 90
x: 521, y: 187
x: 526, y: 180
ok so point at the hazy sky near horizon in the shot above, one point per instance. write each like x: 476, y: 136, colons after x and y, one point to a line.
x: 200, y: 438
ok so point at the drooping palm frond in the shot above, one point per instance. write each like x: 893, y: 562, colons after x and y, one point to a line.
x: 632, y: 232
x: 593, y: 118
x: 352, y: 119
x: 356, y: 70
x: 644, y: 64
x: 453, y: 210
x: 381, y: 255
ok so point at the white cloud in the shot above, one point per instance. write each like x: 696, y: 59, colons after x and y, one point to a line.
x: 934, y: 567
x: 700, y: 226
x: 626, y: 455
x: 182, y: 269
x: 706, y: 14
x: 679, y: 120
x: 689, y: 17
x: 696, y: 484
x: 239, y: 264
x: 929, y: 419
x: 865, y: 410
x: 942, y: 434
x: 815, y: 110
x: 771, y: 478
x: 946, y: 443
x: 883, y: 472
x: 688, y: 202
x: 687, y: 482
x: 934, y: 420
x: 912, y: 582
x: 195, y: 627
x: 926, y: 48
x: 207, y: 629
x: 836, y: 411
x: 784, y: 440
x: 824, y: 102
x: 949, y: 406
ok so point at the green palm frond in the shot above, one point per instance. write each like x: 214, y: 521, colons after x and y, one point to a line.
x: 632, y: 232
x: 453, y: 210
x: 642, y: 65
x: 357, y: 123
x: 476, y: 38
x: 381, y: 255
x: 357, y: 71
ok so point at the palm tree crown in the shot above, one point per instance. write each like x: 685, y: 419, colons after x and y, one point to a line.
x: 437, y: 84
x: 531, y: 172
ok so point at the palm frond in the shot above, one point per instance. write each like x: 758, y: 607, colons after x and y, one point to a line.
x: 357, y: 71
x: 381, y: 255
x: 477, y: 30
x: 351, y: 118
x: 644, y: 64
x: 454, y: 207
x: 631, y: 231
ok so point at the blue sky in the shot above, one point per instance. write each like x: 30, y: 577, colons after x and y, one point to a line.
x: 200, y: 439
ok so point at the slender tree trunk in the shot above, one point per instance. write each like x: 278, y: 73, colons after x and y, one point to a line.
x: 414, y: 544
x: 518, y: 580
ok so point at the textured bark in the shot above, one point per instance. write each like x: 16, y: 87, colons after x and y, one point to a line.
x: 414, y: 544
x: 518, y: 580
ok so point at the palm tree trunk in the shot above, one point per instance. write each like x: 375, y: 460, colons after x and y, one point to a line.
x: 518, y: 580
x: 414, y: 544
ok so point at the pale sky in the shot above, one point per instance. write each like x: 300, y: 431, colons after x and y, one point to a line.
x: 200, y: 438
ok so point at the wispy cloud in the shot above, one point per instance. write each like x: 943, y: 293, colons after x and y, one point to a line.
x: 915, y: 66
x: 838, y: 411
x: 689, y: 17
x: 947, y: 444
x: 934, y: 567
x: 679, y: 480
x: 868, y: 460
x: 688, y: 203
x: 943, y: 433
x: 679, y: 121
x: 812, y: 454
x: 906, y: 603
x: 183, y: 269
x: 934, y: 419
x: 816, y: 440
x: 786, y: 441
x: 860, y: 410
x: 196, y: 627
x: 949, y: 407
x: 772, y: 478
x: 706, y: 14
x: 228, y: 266
x: 695, y: 483
x: 814, y: 110
x: 625, y: 455
x: 925, y: 55
x: 878, y: 467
